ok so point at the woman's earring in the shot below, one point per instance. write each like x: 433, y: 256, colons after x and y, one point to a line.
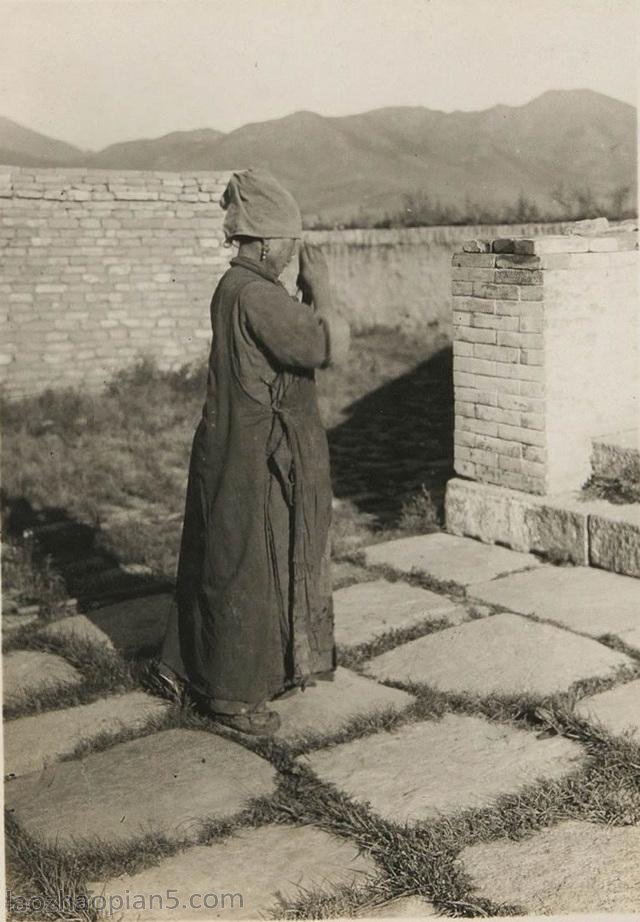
x: 264, y: 252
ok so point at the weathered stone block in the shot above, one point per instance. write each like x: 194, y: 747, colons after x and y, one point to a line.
x: 27, y: 672
x: 504, y: 654
x: 447, y: 558
x: 167, y: 783
x: 574, y: 867
x: 32, y: 743
x: 617, y: 709
x: 367, y: 610
x: 521, y: 521
x: 244, y: 876
x: 614, y: 540
x: 330, y: 706
x: 423, y: 770
x: 579, y: 598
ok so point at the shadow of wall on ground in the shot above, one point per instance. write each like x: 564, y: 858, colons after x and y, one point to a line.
x: 395, y: 439
x: 129, y: 606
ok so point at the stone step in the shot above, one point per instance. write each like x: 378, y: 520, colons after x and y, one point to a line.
x: 167, y: 784
x: 28, y: 672
x: 617, y: 456
x: 253, y: 868
x: 32, y: 743
x: 503, y: 654
x: 365, y: 611
x: 447, y: 558
x: 575, y: 867
x: 423, y: 770
x: 588, y: 532
x: 330, y: 706
x: 579, y: 598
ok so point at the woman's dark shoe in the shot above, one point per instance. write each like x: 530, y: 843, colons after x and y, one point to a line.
x: 253, y: 723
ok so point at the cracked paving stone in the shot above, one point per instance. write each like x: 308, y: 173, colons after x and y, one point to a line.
x: 426, y: 769
x: 329, y: 706
x: 31, y: 743
x: 448, y: 558
x: 570, y: 868
x: 256, y: 866
x: 167, y: 783
x: 501, y: 654
x: 367, y: 610
x: 27, y: 672
x: 579, y: 598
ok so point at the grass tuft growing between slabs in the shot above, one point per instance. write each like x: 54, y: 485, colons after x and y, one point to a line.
x: 619, y: 490
x: 452, y: 590
x: 31, y: 579
x: 353, y: 657
x: 103, y: 672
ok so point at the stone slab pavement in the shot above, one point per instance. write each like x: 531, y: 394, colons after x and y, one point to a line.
x: 617, y: 709
x: 574, y: 867
x: 165, y: 783
x: 258, y: 864
x: 367, y: 610
x: 26, y: 672
x: 448, y: 558
x: 329, y: 706
x: 134, y: 624
x: 425, y: 769
x: 503, y: 654
x: 31, y: 743
x: 582, y: 599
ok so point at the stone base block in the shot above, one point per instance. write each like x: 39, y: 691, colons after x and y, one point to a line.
x: 588, y: 532
x: 614, y: 538
x: 521, y: 521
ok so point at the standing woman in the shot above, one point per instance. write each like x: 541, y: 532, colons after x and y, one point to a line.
x: 253, y: 614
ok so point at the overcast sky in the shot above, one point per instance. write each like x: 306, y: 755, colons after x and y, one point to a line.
x: 93, y: 72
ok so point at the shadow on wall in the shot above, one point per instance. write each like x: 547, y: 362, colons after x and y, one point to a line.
x: 395, y: 439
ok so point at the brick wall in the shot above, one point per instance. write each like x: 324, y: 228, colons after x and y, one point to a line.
x: 546, y: 355
x: 97, y: 267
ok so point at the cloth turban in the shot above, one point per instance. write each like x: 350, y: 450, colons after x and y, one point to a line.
x: 258, y: 206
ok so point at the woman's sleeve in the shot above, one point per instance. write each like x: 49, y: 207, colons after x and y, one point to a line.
x: 293, y: 333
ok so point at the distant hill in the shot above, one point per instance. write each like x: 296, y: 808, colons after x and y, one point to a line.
x: 24, y: 147
x: 566, y: 145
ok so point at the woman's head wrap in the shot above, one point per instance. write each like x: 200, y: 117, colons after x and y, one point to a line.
x: 258, y: 206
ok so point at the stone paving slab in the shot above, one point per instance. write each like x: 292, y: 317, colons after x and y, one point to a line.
x: 502, y: 654
x: 366, y: 610
x: 78, y: 627
x: 31, y: 743
x: 406, y: 907
x: 617, y: 709
x: 631, y: 638
x: 329, y: 706
x: 448, y: 558
x: 572, y: 867
x: 164, y: 783
x: 134, y: 624
x: 260, y: 864
x: 580, y: 598
x: 25, y: 672
x: 425, y: 769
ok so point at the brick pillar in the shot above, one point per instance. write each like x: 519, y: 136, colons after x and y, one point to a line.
x: 546, y: 355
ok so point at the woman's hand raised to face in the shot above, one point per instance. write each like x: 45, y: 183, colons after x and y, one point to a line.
x: 314, y: 272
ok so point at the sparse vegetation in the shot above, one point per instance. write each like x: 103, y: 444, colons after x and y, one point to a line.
x: 622, y: 489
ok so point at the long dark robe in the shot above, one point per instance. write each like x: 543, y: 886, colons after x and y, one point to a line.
x: 253, y: 611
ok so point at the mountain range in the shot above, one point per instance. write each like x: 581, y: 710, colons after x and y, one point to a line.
x: 569, y: 143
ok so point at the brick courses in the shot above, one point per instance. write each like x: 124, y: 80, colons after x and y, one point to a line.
x: 99, y: 266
